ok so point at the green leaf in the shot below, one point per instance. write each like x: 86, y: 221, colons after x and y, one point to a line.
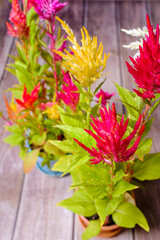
x: 131, y: 101
x: 144, y: 148
x: 14, y: 139
x: 106, y: 207
x: 72, y: 120
x: 92, y: 230
x: 119, y: 175
x: 153, y: 108
x: 30, y: 160
x: 63, y: 163
x: 99, y: 86
x: 80, y: 203
x: 31, y: 15
x: 38, y: 139
x: 21, y: 53
x: 149, y: 169
x: 128, y: 215
x: 47, y: 57
x: 122, y: 187
x: 94, y: 110
x: 67, y: 146
x: 79, y: 134
x: 79, y: 159
x: 95, y: 180
x: 49, y: 148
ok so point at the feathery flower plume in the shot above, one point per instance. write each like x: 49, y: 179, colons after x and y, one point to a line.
x: 13, y: 111
x: 19, y: 27
x: 47, y: 9
x: 146, y: 67
x: 53, y: 111
x: 29, y: 99
x: 86, y: 63
x: 109, y: 133
x: 104, y: 96
x: 69, y: 93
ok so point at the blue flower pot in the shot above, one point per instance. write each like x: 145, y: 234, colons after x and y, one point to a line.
x: 45, y: 169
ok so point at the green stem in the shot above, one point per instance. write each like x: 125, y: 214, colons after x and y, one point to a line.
x: 89, y: 107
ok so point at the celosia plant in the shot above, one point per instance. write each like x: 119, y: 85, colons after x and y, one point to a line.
x: 47, y: 95
x: 111, y: 152
x: 35, y: 106
x: 53, y: 114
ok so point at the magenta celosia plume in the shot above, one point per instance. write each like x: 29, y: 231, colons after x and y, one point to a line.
x: 18, y: 27
x: 69, y: 93
x: 104, y: 96
x: 146, y: 67
x: 109, y: 135
x: 47, y: 9
x: 29, y: 99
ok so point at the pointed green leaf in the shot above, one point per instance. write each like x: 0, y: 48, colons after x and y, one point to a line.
x: 128, y: 215
x: 122, y: 187
x: 79, y: 134
x: 67, y: 146
x: 92, y: 230
x: 38, y: 139
x: 63, y: 163
x: 80, y: 203
x: 78, y: 160
x: 131, y: 101
x: 144, y: 148
x: 106, y: 207
x: 149, y: 169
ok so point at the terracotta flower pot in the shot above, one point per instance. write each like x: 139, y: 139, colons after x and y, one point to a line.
x: 106, y: 231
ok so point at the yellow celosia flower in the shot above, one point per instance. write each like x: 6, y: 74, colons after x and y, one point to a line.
x: 52, y: 112
x: 86, y: 64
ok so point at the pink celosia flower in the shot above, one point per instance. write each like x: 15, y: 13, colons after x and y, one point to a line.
x: 104, y: 96
x: 47, y: 9
x: 109, y: 133
x: 69, y: 93
x: 146, y: 67
x: 19, y: 26
x: 29, y: 99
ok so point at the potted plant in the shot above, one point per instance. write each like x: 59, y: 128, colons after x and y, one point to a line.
x: 112, y: 153
x: 34, y: 108
x: 46, y: 95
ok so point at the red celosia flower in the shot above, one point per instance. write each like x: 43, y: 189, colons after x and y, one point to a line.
x: 105, y: 96
x: 47, y: 9
x: 29, y: 99
x: 109, y: 133
x: 69, y: 93
x: 146, y: 67
x: 19, y: 27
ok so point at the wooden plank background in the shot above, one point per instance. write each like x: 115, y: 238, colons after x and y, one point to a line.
x: 27, y: 203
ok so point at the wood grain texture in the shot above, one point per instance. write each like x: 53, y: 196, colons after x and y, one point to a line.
x: 101, y: 22
x: 131, y: 14
x: 11, y: 175
x: 39, y: 218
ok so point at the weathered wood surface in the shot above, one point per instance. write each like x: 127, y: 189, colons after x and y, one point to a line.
x: 27, y: 203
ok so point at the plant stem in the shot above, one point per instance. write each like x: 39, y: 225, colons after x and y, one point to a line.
x: 89, y: 107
